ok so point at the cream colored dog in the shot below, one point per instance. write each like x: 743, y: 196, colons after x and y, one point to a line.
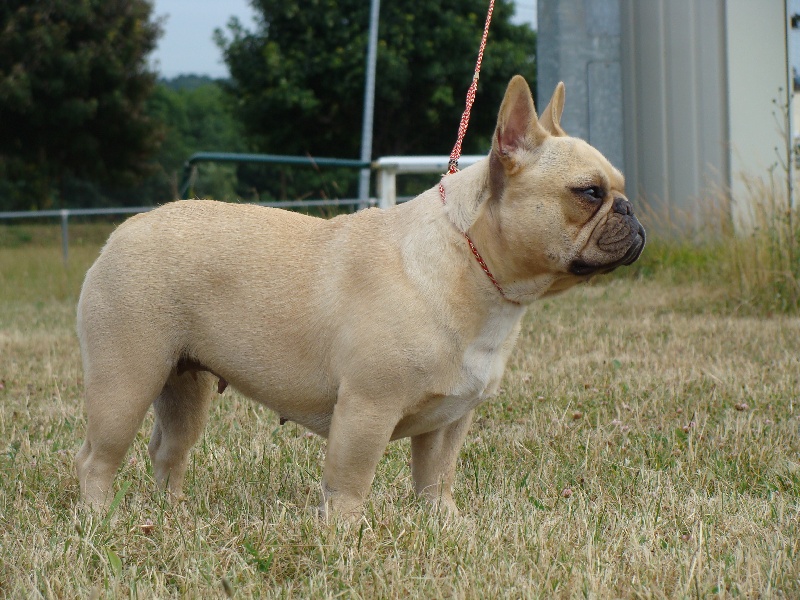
x: 364, y: 328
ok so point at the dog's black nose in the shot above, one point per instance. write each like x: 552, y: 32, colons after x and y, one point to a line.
x: 622, y: 206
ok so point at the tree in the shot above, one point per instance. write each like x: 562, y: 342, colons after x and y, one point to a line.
x: 73, y: 84
x: 298, y: 78
x: 197, y: 117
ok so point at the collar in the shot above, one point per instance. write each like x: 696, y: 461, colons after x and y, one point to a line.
x: 474, y: 249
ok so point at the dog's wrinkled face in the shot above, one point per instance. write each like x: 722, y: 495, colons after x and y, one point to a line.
x: 598, y: 218
x: 557, y: 197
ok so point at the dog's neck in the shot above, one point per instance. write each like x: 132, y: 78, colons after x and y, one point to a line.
x: 468, y: 216
x: 468, y: 206
x: 467, y: 191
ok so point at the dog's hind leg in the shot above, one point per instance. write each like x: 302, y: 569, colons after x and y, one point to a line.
x: 181, y: 412
x: 117, y: 399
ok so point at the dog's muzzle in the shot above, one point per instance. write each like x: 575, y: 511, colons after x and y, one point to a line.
x: 622, y: 233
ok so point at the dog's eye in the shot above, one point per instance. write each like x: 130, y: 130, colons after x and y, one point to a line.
x: 594, y: 192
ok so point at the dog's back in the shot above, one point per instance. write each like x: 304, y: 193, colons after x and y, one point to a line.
x: 209, y: 282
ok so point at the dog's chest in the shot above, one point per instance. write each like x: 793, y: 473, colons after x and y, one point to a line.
x: 484, y: 359
x: 477, y: 376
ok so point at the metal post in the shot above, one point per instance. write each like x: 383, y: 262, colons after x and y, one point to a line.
x: 387, y: 184
x: 64, y: 234
x: 369, y: 103
x: 791, y: 153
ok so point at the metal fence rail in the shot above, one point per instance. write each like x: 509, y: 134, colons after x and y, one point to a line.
x: 65, y: 213
x: 387, y: 168
x: 189, y: 167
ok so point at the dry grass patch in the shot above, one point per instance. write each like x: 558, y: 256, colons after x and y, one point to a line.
x: 642, y: 446
x: 749, y: 249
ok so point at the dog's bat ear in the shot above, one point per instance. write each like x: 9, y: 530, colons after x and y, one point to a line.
x: 518, y: 126
x: 551, y: 116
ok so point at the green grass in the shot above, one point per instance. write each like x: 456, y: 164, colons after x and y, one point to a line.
x: 642, y: 445
x: 750, y: 254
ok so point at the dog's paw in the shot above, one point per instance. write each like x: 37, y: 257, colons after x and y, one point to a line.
x: 444, y: 506
x: 336, y: 516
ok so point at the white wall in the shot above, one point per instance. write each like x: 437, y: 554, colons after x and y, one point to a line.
x: 701, y: 85
x: 675, y: 100
x: 757, y: 67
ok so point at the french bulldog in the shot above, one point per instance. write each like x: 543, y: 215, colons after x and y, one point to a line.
x: 364, y: 328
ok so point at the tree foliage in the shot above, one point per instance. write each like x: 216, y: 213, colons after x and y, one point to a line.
x: 197, y: 117
x: 298, y: 79
x: 74, y: 80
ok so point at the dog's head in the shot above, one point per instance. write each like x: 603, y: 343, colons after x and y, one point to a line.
x: 557, y: 207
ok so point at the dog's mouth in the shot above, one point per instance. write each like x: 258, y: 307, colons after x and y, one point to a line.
x: 583, y: 268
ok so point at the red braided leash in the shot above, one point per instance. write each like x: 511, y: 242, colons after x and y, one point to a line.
x: 456, y: 153
x: 473, y: 88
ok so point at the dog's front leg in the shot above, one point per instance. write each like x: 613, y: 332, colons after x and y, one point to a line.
x: 433, y: 462
x: 360, y: 431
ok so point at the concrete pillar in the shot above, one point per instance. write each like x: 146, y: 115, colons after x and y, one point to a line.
x: 579, y: 43
x: 686, y: 97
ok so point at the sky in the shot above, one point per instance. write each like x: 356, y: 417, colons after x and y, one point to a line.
x: 187, y: 45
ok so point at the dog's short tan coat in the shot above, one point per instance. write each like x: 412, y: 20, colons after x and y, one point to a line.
x: 364, y: 328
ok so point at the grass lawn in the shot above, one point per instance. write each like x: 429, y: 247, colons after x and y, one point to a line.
x: 646, y: 443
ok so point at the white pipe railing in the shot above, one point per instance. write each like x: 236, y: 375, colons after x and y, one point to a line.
x: 389, y: 167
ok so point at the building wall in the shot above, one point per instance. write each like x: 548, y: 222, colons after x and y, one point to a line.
x: 579, y: 43
x: 692, y: 83
x: 675, y: 92
x: 759, y: 95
